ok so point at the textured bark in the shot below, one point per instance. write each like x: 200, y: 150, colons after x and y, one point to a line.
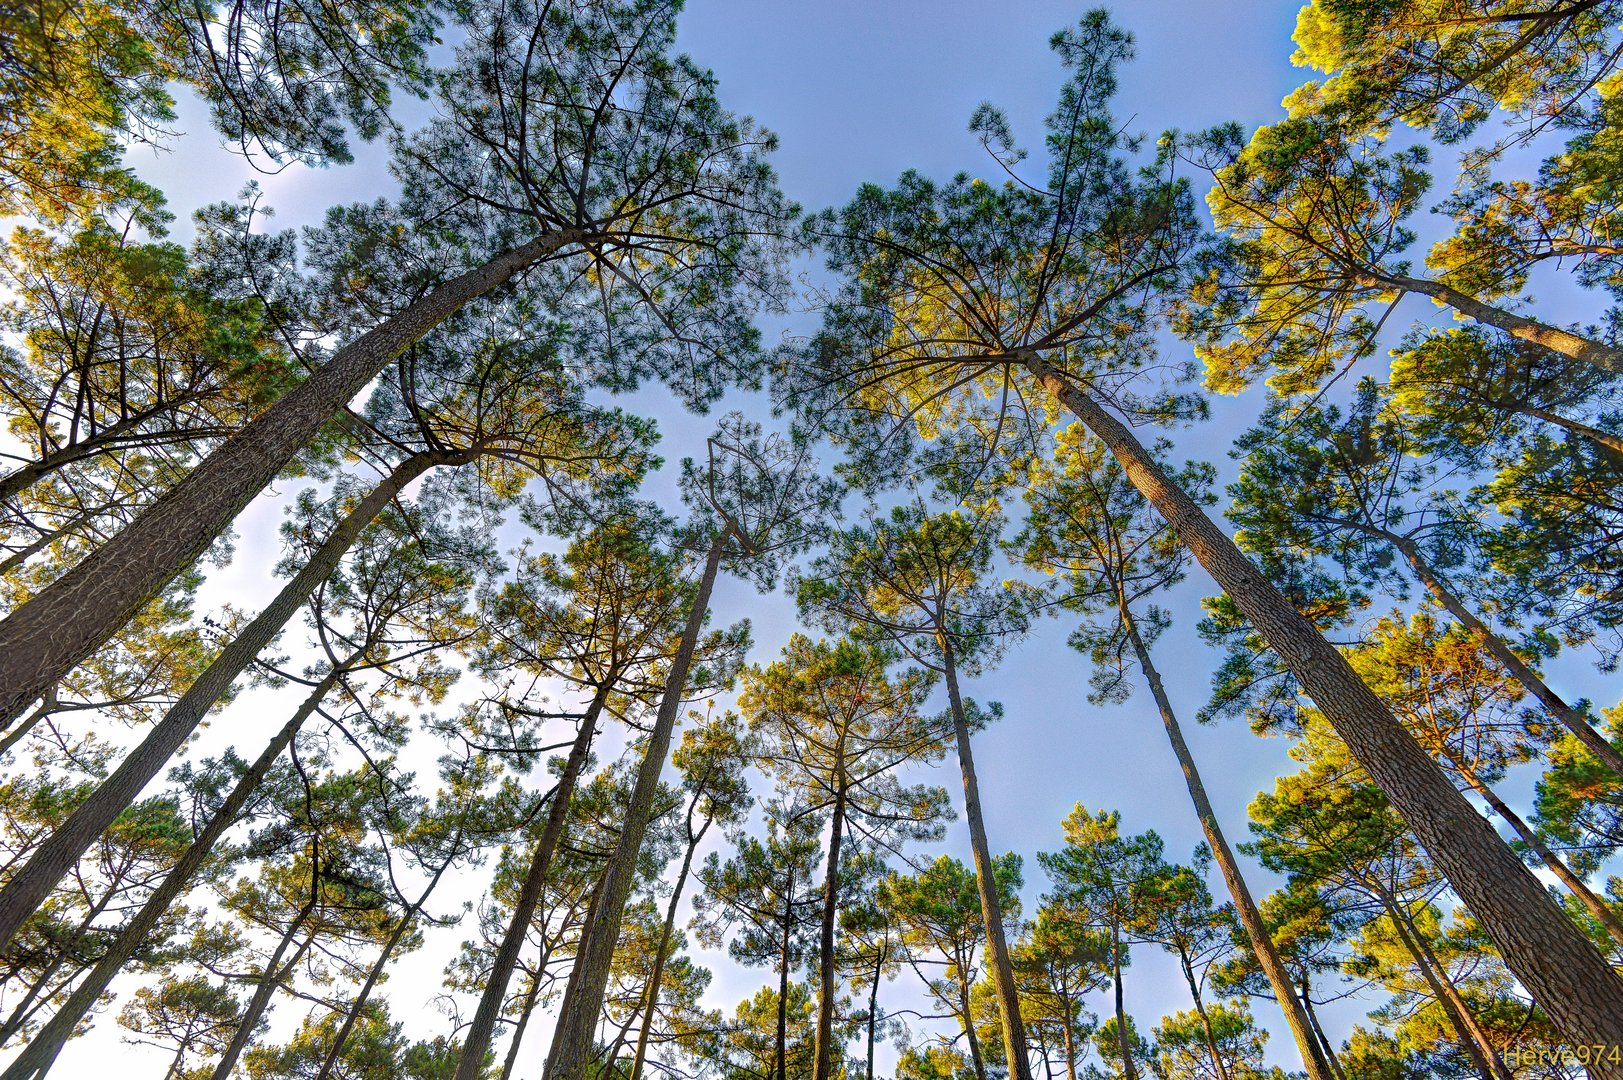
x: 822, y: 1044
x: 665, y: 933
x: 997, y: 948
x: 1553, y: 338
x: 570, y: 1056
x: 33, y: 883
x: 1562, y: 969
x: 36, y: 1059
x: 1262, y: 944
x: 44, y: 639
x: 471, y: 1064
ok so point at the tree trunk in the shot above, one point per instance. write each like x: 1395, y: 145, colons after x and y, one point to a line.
x: 977, y: 1060
x: 33, y: 883
x: 1129, y: 1068
x: 1561, y: 968
x: 108, y: 440
x: 1571, y: 718
x: 1597, y: 907
x: 1008, y: 994
x: 36, y: 1059
x: 530, y: 997
x: 1582, y: 430
x: 873, y: 1007
x: 1318, y: 1031
x: 1262, y: 944
x: 1472, y: 1038
x: 659, y: 956
x: 782, y: 1063
x: 471, y: 1063
x: 1565, y: 342
x: 274, y: 971
x: 822, y: 1044
x: 571, y: 1053
x: 45, y: 638
x: 1205, y: 1018
x: 407, y: 918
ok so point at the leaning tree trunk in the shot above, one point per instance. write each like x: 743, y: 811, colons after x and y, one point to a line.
x: 664, y: 946
x: 1562, y: 969
x: 45, y: 638
x: 1129, y: 1070
x: 1565, y: 342
x: 1003, y: 984
x: 33, y: 883
x: 1571, y: 718
x: 36, y: 1059
x: 571, y: 1054
x: 471, y: 1064
x: 823, y: 1040
x: 530, y: 997
x: 1262, y: 943
x: 268, y: 981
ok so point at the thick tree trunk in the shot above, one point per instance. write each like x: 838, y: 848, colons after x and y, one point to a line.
x: 471, y: 1063
x: 997, y: 948
x: 1553, y: 338
x: 660, y: 954
x: 36, y: 1059
x: 1562, y: 969
x: 45, y: 638
x: 822, y: 1044
x: 28, y: 889
x: 1262, y: 944
x: 571, y: 1053
x: 1571, y: 718
x: 266, y: 986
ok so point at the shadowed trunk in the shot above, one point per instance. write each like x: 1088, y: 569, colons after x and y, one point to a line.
x: 1562, y: 969
x: 1003, y: 984
x: 1472, y: 1038
x: 1129, y: 1070
x: 571, y: 1054
x: 28, y: 889
x: 1256, y: 931
x: 660, y: 955
x: 36, y: 1059
x: 266, y: 986
x: 470, y: 1066
x: 823, y: 1048
x: 45, y: 638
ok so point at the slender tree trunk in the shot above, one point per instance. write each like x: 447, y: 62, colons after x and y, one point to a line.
x: 28, y: 889
x: 1470, y: 1034
x: 105, y: 441
x: 1597, y: 907
x: 977, y: 1060
x: 571, y: 1053
x: 1069, y: 1037
x: 45, y: 638
x: 1205, y: 1017
x: 873, y: 1007
x: 823, y: 1048
x: 35, y: 1060
x: 471, y: 1063
x: 530, y: 997
x: 1565, y: 342
x: 1129, y: 1068
x: 268, y: 981
x: 782, y: 1063
x: 1318, y: 1031
x: 664, y: 945
x: 1003, y: 984
x: 19, y: 731
x: 1262, y: 943
x: 1586, y: 431
x: 1571, y: 718
x: 407, y: 919
x: 1562, y: 969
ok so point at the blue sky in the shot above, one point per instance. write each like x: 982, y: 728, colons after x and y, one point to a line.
x: 859, y: 92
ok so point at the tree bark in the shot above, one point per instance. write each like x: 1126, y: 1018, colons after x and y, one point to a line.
x: 44, y: 639
x: 471, y: 1063
x: 1008, y: 994
x: 781, y: 1065
x: 659, y: 956
x: 36, y: 1059
x: 1129, y: 1069
x: 571, y: 1052
x: 33, y: 883
x: 1565, y: 342
x: 530, y: 996
x: 268, y: 981
x: 1474, y: 1040
x: 1571, y: 718
x: 1262, y: 943
x: 822, y: 1044
x: 1562, y: 969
